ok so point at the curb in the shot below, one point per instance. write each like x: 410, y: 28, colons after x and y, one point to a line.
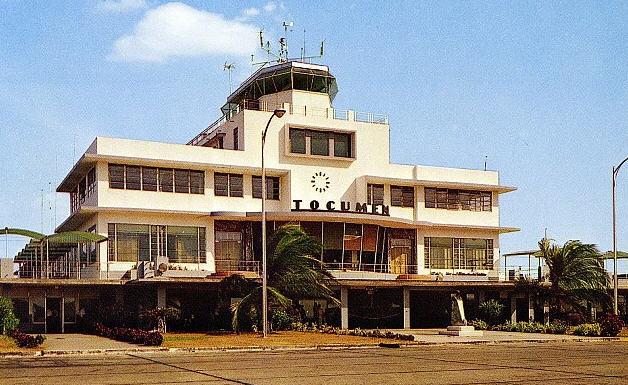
x: 235, y: 349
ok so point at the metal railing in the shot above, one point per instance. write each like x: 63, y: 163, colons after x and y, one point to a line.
x: 257, y: 105
x: 373, y: 267
x: 227, y: 265
x: 515, y: 273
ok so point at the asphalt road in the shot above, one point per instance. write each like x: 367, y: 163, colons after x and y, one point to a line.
x: 531, y: 363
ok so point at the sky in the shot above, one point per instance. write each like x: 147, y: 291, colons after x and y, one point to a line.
x: 538, y: 89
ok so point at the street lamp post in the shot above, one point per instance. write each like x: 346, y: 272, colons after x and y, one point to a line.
x: 278, y: 113
x: 615, y: 279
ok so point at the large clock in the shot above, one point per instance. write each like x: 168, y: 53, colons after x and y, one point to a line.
x: 320, y: 181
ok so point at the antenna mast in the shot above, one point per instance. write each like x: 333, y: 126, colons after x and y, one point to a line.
x: 229, y: 67
x: 282, y: 55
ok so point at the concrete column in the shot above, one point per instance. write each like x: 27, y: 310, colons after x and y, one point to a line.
x: 406, y: 308
x: 546, y: 312
x: 344, y: 307
x: 161, y: 297
x: 513, y: 308
x: 481, y: 297
x: 530, y: 307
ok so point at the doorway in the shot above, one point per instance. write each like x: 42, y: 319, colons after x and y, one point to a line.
x: 53, y: 315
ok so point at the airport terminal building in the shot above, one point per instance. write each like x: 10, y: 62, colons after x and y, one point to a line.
x: 180, y: 217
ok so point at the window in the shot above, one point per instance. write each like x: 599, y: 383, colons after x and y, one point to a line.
x: 402, y: 196
x: 342, y: 145
x: 458, y: 253
x: 116, y: 176
x: 375, y: 194
x: 166, y: 180
x: 149, y: 179
x: 320, y: 143
x: 39, y: 309
x: 184, y: 243
x: 452, y: 199
x: 153, y: 179
x: 182, y: 181
x: 228, y: 241
x: 272, y: 187
x: 297, y: 141
x: 133, y: 177
x: 91, y: 181
x: 133, y: 243
x: 236, y: 139
x: 313, y: 142
x: 197, y: 182
x: 228, y: 185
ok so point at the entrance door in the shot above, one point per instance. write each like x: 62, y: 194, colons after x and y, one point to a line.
x: 53, y: 315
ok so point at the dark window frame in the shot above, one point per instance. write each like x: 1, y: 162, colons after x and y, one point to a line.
x: 457, y: 199
x: 273, y: 187
x: 373, y: 196
x: 402, y: 196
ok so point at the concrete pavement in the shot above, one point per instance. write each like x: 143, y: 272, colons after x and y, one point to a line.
x: 521, y: 363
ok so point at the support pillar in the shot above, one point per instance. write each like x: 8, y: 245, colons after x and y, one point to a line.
x: 531, y: 317
x: 546, y: 313
x: 344, y: 307
x: 406, y: 308
x: 513, y: 308
x: 481, y: 297
x: 161, y: 297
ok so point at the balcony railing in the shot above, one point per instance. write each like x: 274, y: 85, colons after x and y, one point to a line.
x: 256, y: 105
x: 229, y: 265
x: 373, y: 267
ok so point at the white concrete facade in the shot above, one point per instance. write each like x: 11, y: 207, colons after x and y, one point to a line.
x: 348, y: 178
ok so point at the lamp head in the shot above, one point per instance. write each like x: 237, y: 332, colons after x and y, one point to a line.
x: 279, y: 112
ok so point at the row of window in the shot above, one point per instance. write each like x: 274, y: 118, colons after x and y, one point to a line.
x: 401, y: 196
x: 458, y: 253
x: 232, y: 185
x: 83, y: 190
x: 133, y: 243
x: 323, y: 143
x: 453, y: 199
x: 156, y: 179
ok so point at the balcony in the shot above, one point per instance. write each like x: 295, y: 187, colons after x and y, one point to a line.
x: 256, y: 105
x: 230, y: 266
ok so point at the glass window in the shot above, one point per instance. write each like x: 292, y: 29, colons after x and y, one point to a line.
x: 297, y: 141
x: 402, y: 196
x: 69, y: 309
x: 375, y: 194
x: 272, y: 187
x: 438, y: 253
x: 342, y: 145
x: 133, y: 178
x: 183, y: 244
x: 116, y: 176
x: 132, y: 243
x: 228, y: 242
x: 149, y: 178
x: 235, y: 185
x: 333, y: 236
x: 236, y: 139
x: 221, y: 184
x: 319, y: 143
x: 197, y: 182
x: 182, y: 181
x: 39, y: 309
x: 166, y: 181
x: 453, y: 199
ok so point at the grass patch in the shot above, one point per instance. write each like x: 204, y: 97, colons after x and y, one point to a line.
x: 7, y: 345
x: 278, y: 339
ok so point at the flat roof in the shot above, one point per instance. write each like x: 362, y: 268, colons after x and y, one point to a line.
x: 444, y: 184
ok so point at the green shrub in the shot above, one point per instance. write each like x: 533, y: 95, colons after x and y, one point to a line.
x: 281, y: 320
x: 491, y: 311
x: 479, y: 324
x: 587, y: 330
x: 557, y: 327
x: 521, y: 327
x: 8, y: 320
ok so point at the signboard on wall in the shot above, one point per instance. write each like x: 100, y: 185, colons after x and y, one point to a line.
x: 341, y: 206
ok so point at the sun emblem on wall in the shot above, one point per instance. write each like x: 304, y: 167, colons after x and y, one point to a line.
x: 320, y: 182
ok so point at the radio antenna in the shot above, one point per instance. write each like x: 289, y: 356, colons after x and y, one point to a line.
x: 229, y: 67
x: 282, y: 55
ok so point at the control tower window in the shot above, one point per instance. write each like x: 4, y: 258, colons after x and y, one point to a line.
x: 297, y: 141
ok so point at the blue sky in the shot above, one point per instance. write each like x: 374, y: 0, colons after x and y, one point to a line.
x: 540, y: 89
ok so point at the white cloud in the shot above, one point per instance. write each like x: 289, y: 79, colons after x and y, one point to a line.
x: 250, y: 12
x: 121, y: 6
x: 178, y: 30
x: 270, y: 6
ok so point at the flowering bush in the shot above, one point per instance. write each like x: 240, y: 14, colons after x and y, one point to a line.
x: 24, y: 340
x: 376, y: 333
x: 134, y: 336
x: 557, y: 327
x: 610, y: 325
x: 587, y: 330
x: 521, y: 327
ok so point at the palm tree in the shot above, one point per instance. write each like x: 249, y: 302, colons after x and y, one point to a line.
x: 292, y: 272
x: 576, y: 274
